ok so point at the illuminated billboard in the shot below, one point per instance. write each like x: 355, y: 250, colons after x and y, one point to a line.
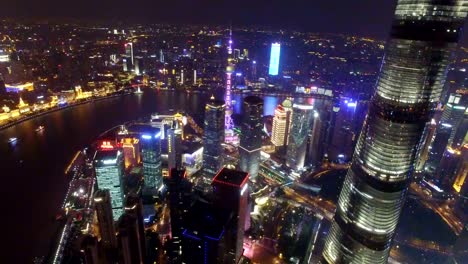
x: 274, y: 58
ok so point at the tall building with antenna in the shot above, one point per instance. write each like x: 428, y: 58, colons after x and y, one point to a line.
x: 423, y: 36
x: 228, y: 123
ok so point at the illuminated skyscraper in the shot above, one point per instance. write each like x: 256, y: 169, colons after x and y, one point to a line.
x: 151, y: 157
x: 102, y: 203
x: 448, y: 133
x: 461, y: 172
x: 174, y: 144
x: 228, y: 123
x: 131, y: 151
x: 251, y: 135
x: 428, y: 135
x: 108, y: 164
x: 129, y: 52
x: 213, y: 137
x: 301, y: 123
x: 423, y: 36
x: 274, y: 59
x: 281, y: 123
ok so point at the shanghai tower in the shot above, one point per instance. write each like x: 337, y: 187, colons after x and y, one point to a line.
x: 423, y: 36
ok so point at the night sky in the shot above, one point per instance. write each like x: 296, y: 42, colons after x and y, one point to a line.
x: 363, y: 17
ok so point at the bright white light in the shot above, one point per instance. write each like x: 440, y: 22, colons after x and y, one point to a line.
x: 243, y: 189
x: 109, y: 162
x: 274, y: 58
x: 146, y: 136
x: 303, y: 107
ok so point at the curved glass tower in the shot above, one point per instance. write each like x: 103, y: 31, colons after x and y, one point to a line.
x: 423, y: 35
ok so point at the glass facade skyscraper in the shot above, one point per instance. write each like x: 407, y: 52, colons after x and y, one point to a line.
x: 423, y: 35
x: 301, y: 123
x: 151, y: 157
x: 450, y: 131
x: 213, y: 137
x: 251, y: 136
x: 108, y: 164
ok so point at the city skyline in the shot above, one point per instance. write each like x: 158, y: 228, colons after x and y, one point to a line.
x: 365, y: 17
x: 166, y: 132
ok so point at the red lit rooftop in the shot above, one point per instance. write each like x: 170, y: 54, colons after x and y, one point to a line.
x: 230, y: 177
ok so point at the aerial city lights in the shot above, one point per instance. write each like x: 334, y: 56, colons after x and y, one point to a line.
x: 187, y: 143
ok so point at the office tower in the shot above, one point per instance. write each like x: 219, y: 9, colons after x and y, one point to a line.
x: 89, y: 250
x: 331, y: 119
x: 131, y: 151
x: 151, y: 157
x: 447, y: 168
x: 427, y: 137
x: 456, y: 114
x: 461, y: 172
x: 230, y: 190
x: 129, y: 239
x: 108, y: 164
x: 228, y: 122
x: 138, y: 62
x: 206, y: 236
x: 409, y: 85
x: 251, y: 136
x: 194, y: 77
x: 213, y: 137
x: 192, y: 157
x: 134, y: 207
x: 448, y: 133
x: 301, y: 122
x: 180, y: 190
x: 281, y: 123
x: 315, y: 144
x: 102, y: 203
x: 254, y: 71
x: 274, y: 59
x: 129, y: 53
x: 161, y: 56
x: 174, y: 151
x: 125, y: 65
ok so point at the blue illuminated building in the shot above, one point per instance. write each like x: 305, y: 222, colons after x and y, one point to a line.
x: 274, y: 59
x: 151, y: 157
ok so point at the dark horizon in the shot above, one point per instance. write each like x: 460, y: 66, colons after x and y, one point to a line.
x: 361, y: 17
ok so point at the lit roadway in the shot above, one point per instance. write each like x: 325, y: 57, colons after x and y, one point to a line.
x: 327, y: 209
x: 441, y: 208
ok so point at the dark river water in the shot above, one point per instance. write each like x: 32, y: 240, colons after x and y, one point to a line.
x: 33, y: 183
